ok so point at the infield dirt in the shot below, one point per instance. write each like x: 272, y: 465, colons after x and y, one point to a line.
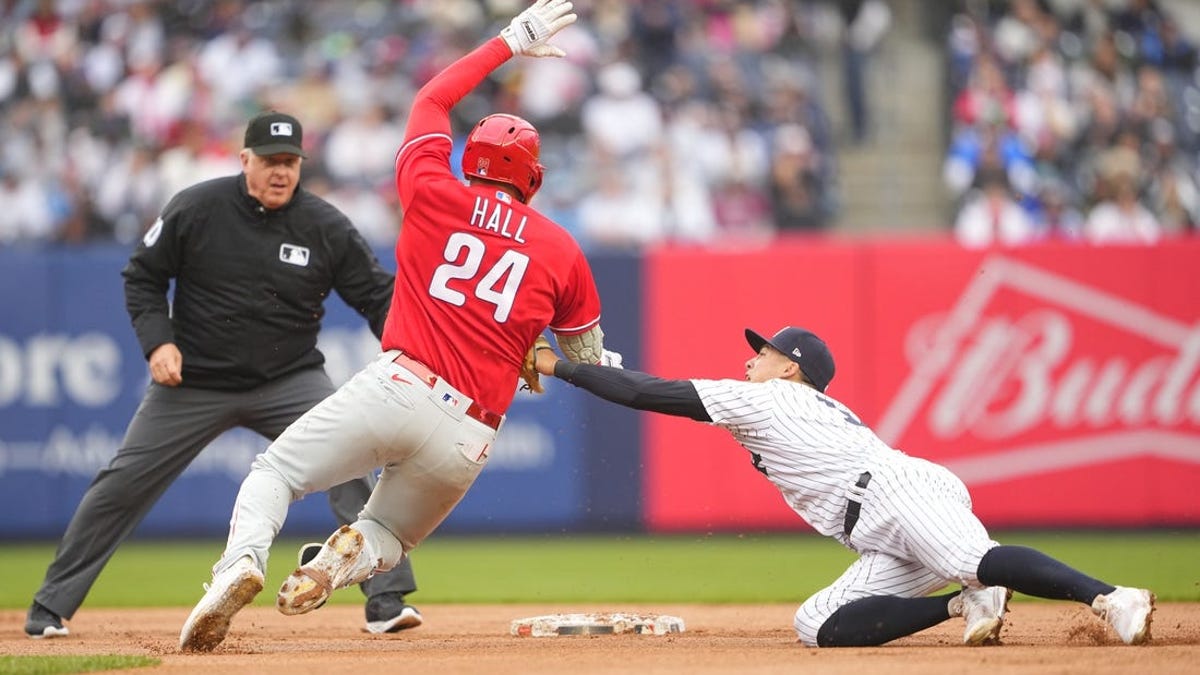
x: 1058, y: 638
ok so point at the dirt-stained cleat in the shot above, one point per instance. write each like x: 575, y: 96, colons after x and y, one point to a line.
x: 1129, y: 611
x: 231, y: 589
x: 342, y: 561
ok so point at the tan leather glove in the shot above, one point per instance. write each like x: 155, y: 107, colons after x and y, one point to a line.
x: 529, y: 373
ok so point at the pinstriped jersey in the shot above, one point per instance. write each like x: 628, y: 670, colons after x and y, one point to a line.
x: 806, y: 443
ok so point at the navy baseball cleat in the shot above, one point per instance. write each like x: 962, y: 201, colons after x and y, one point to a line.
x: 40, y: 623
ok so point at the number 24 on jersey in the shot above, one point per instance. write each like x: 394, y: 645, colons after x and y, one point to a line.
x: 497, y: 286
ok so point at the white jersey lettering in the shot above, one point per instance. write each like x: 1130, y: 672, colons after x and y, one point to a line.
x: 498, y: 220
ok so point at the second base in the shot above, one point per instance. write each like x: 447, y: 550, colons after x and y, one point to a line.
x: 551, y: 625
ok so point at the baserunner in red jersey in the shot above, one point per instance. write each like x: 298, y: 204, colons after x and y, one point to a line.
x: 480, y: 275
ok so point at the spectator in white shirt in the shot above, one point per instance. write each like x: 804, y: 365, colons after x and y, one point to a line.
x: 990, y: 216
x: 622, y: 119
x: 1122, y: 219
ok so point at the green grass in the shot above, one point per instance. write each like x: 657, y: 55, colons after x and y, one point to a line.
x: 46, y: 665
x: 546, y: 569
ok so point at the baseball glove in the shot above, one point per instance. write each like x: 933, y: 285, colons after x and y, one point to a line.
x: 529, y: 373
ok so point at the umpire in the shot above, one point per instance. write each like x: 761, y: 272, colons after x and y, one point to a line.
x: 253, y: 258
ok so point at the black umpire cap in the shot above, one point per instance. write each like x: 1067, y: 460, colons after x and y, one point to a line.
x: 802, y: 346
x: 271, y: 133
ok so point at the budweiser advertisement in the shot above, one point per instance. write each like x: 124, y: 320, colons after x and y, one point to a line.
x: 1061, y: 383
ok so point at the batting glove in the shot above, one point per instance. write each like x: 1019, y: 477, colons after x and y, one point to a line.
x: 611, y: 359
x: 529, y: 31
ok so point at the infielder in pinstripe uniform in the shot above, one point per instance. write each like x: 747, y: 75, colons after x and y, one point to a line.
x: 909, y: 520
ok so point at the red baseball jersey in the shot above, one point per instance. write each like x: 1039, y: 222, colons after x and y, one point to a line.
x: 479, y: 275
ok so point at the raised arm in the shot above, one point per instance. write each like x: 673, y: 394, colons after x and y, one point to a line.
x: 527, y: 35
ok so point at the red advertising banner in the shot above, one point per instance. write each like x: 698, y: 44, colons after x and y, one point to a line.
x: 698, y: 303
x: 1062, y: 383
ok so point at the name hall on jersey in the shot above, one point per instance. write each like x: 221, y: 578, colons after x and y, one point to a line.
x: 499, y: 219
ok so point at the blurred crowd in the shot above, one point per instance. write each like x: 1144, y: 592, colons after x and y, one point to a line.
x: 669, y: 120
x: 1072, y: 119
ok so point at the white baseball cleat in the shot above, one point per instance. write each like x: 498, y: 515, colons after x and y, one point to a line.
x: 1129, y: 611
x: 344, y: 560
x: 231, y: 589
x: 983, y: 610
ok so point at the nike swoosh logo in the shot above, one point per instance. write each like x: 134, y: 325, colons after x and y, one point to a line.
x: 400, y: 379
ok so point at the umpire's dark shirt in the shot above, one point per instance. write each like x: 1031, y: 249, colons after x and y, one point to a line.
x: 250, y: 283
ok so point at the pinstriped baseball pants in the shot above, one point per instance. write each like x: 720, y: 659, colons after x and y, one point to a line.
x: 916, y: 534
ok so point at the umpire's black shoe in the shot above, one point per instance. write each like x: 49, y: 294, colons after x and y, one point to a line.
x: 388, y: 613
x: 43, y: 623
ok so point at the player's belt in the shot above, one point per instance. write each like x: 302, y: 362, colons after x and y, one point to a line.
x: 854, y: 506
x: 474, y: 411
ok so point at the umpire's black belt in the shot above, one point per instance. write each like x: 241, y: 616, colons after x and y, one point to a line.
x: 853, y: 506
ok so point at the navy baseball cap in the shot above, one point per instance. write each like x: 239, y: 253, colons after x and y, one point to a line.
x: 271, y: 133
x: 802, y: 346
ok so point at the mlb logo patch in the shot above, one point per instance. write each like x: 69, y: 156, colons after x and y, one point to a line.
x: 281, y: 128
x: 294, y: 255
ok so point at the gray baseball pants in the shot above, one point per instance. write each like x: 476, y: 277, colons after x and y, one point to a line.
x: 418, y: 430
x: 170, y: 428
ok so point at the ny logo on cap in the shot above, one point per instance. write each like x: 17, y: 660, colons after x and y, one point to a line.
x: 281, y: 128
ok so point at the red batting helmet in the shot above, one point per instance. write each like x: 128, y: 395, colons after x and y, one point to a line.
x: 504, y: 148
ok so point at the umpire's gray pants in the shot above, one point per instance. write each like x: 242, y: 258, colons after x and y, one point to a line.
x: 170, y: 428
